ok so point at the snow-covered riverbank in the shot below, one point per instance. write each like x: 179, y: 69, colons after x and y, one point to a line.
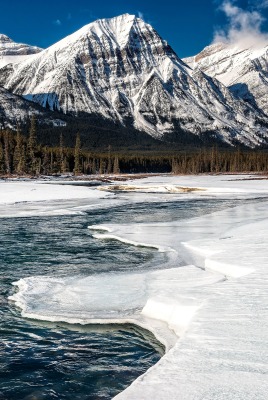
x: 211, y: 313
x: 21, y: 198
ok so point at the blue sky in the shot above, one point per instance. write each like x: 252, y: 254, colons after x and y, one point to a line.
x: 188, y: 25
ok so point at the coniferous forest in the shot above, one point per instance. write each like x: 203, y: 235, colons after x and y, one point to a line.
x: 23, y: 155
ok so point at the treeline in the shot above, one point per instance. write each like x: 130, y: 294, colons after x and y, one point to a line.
x: 220, y: 161
x: 22, y: 155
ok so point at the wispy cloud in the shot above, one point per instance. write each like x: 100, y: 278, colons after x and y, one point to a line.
x: 69, y: 17
x: 145, y: 17
x: 244, y: 26
x: 57, y: 22
x: 259, y: 5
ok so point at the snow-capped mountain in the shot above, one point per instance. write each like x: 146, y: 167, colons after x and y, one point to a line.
x: 243, y: 70
x: 15, y: 109
x: 11, y: 52
x: 121, y: 69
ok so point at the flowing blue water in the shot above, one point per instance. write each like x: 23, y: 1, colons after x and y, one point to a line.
x: 40, y: 360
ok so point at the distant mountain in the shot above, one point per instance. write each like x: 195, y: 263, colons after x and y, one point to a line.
x: 243, y: 70
x: 123, y: 71
x: 11, y: 52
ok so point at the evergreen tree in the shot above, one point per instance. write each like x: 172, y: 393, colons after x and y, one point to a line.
x: 38, y: 165
x: 109, y: 166
x: 101, y: 166
x: 116, y: 169
x: 17, y: 162
x: 77, y: 156
x: 53, y: 163
x: 94, y: 167
x: 32, y: 147
x: 174, y: 166
x: 7, y: 152
x: 2, y: 158
x: 46, y: 163
x: 21, y: 167
x: 63, y: 161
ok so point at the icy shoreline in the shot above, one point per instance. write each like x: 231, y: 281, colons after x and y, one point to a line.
x: 220, y: 313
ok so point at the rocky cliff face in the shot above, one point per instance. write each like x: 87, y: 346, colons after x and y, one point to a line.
x: 15, y: 110
x: 121, y: 69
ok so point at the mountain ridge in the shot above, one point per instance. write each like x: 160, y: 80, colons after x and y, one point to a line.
x: 122, y: 70
x: 244, y: 70
x: 12, y: 52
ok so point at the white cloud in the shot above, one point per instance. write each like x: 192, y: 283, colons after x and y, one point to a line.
x: 244, y: 26
x: 57, y: 22
x: 140, y: 15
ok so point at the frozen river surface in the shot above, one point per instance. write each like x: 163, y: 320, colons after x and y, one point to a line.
x: 200, y: 284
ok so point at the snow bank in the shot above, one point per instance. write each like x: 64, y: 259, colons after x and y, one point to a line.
x: 14, y: 192
x: 176, y: 315
x: 197, y: 185
x: 23, y: 198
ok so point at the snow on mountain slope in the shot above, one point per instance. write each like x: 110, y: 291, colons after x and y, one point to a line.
x: 243, y: 70
x: 15, y: 109
x: 11, y: 52
x: 123, y: 70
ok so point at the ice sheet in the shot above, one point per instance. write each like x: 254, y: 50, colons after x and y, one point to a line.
x: 118, y: 298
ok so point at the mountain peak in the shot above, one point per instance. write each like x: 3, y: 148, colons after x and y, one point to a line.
x: 5, y: 39
x: 243, y: 69
x: 125, y: 16
x: 119, y: 26
x: 11, y: 51
x: 116, y: 29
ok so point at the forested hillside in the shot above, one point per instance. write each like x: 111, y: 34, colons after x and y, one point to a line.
x: 22, y: 153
